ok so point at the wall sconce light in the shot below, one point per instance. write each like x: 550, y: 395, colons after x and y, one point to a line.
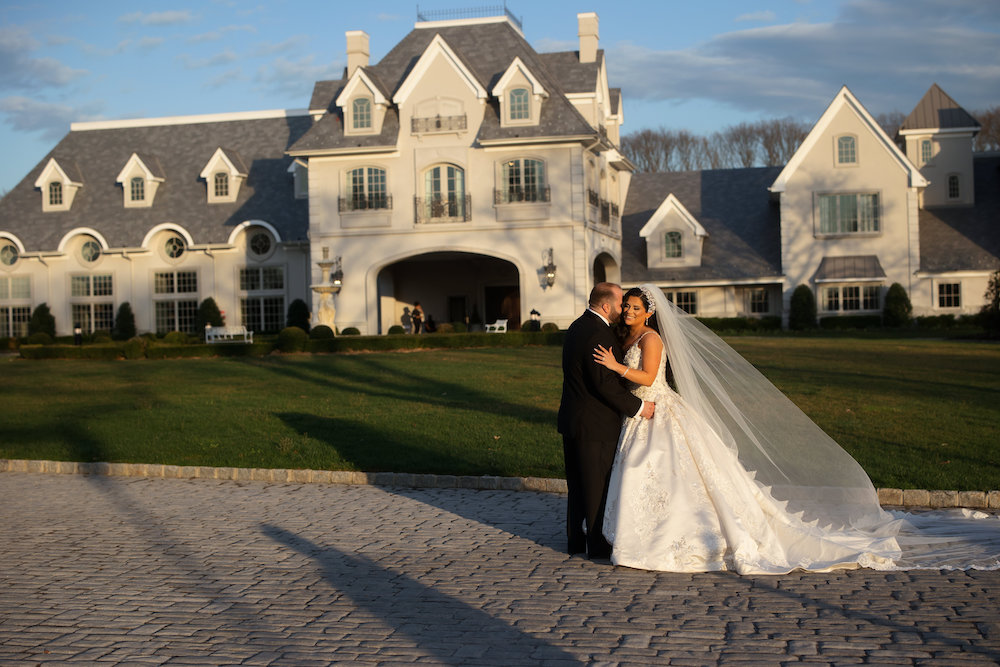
x: 550, y: 267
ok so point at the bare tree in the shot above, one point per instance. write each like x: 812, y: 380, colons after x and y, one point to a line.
x: 686, y: 151
x: 743, y: 141
x: 648, y: 149
x: 988, y: 138
x: 779, y: 139
x: 890, y: 122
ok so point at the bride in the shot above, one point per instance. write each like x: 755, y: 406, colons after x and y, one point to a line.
x: 731, y: 475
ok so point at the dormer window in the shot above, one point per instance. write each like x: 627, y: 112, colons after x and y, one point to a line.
x: 847, y: 150
x: 673, y: 245
x: 520, y: 104
x: 138, y: 189
x: 361, y: 114
x: 221, y: 181
x: 55, y: 194
x: 224, y: 175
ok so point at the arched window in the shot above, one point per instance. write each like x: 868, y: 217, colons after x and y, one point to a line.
x: 367, y: 188
x: 138, y: 189
x: 444, y: 193
x: 954, y: 187
x: 222, y: 184
x: 55, y: 193
x: 519, y: 104
x: 672, y: 245
x: 522, y: 180
x: 847, y: 152
x: 361, y: 114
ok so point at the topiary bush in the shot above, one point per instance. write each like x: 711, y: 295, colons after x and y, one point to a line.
x: 124, y: 326
x: 292, y: 339
x: 321, y: 332
x: 177, y: 338
x: 458, y: 327
x: 350, y: 331
x: 802, y: 309
x: 898, y: 309
x: 550, y: 327
x: 134, y: 348
x: 396, y: 329
x: 42, y: 321
x: 298, y: 315
x: 40, y: 338
x: 208, y: 314
x: 445, y: 327
x: 100, y: 338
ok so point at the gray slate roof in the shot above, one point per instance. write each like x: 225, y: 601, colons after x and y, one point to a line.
x: 487, y: 50
x: 181, y: 152
x: 965, y: 238
x: 936, y: 110
x: 851, y: 267
x: 733, y: 205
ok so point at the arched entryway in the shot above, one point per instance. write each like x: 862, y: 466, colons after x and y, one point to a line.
x: 606, y: 269
x: 451, y: 286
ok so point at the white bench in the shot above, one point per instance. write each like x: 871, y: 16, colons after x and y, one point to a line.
x: 500, y: 326
x: 228, y: 334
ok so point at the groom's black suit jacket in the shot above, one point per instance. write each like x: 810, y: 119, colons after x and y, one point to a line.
x: 594, y: 399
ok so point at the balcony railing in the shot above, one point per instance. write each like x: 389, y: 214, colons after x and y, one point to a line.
x: 438, y: 124
x: 369, y: 203
x: 593, y: 198
x: 522, y: 195
x: 443, y: 209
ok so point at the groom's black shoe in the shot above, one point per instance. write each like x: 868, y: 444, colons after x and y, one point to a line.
x: 576, y: 547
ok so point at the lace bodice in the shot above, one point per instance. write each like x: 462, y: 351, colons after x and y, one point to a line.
x: 659, y: 389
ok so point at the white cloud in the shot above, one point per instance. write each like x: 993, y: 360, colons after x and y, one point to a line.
x: 150, y: 43
x: 157, y: 18
x: 294, y: 79
x: 223, y: 58
x: 216, y: 35
x: 756, y: 17
x: 20, y: 71
x: 269, y: 48
x: 51, y: 120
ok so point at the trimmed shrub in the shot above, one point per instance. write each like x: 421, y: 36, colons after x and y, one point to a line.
x: 445, y: 327
x: 458, y: 327
x: 851, y: 322
x: 101, y: 338
x: 124, y: 326
x: 134, y: 348
x: 350, y: 331
x: 531, y: 325
x: 935, y: 321
x: 42, y: 321
x: 292, y: 339
x: 396, y: 329
x: 989, y: 316
x: 898, y: 309
x: 298, y: 315
x: 741, y: 323
x: 8, y: 343
x: 177, y: 338
x: 40, y: 338
x: 321, y: 332
x: 802, y: 309
x: 208, y: 314
x: 550, y: 327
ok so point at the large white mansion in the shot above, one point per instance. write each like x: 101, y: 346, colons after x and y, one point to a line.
x: 470, y: 173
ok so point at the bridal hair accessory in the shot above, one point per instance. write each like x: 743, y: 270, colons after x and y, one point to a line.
x: 650, y: 302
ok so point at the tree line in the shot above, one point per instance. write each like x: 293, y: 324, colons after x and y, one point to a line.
x: 765, y: 143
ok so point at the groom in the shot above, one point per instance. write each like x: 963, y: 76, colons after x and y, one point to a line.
x: 594, y: 400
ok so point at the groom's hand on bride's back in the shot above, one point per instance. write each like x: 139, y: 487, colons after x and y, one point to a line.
x: 648, y: 407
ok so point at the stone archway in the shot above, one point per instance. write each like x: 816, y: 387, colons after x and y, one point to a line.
x: 451, y: 286
x: 606, y: 269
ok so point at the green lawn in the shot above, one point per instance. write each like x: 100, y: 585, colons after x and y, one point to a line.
x: 916, y: 414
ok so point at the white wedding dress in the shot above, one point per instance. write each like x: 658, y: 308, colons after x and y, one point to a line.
x: 680, y: 500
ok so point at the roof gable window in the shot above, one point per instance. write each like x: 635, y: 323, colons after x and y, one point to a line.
x: 58, y: 183
x: 674, y: 237
x: 361, y: 117
x: 847, y: 151
x: 520, y: 95
x: 224, y: 174
x: 520, y: 104
x: 140, y: 178
x: 363, y: 103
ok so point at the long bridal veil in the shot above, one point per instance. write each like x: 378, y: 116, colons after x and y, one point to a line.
x: 798, y: 463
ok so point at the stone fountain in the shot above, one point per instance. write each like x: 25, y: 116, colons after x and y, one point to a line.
x: 333, y: 276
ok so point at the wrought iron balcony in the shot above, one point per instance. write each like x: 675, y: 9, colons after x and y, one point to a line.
x: 593, y: 198
x: 443, y: 209
x: 438, y: 124
x: 364, y: 203
x: 520, y: 195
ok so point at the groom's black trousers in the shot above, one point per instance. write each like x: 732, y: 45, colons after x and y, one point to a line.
x: 588, y: 468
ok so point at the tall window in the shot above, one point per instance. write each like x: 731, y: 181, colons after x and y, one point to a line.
x: 444, y: 193
x: 262, y: 302
x: 949, y: 295
x: 91, y: 302
x: 954, y: 191
x: 760, y: 302
x: 15, y: 305
x: 138, y: 189
x: 55, y: 193
x: 221, y: 184
x: 846, y: 150
x: 926, y: 151
x: 854, y: 213
x: 523, y: 181
x: 367, y: 188
x: 175, y: 300
x: 673, y: 245
x: 361, y: 116
x: 520, y: 104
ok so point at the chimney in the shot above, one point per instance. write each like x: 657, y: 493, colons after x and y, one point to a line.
x: 588, y: 36
x: 357, y: 50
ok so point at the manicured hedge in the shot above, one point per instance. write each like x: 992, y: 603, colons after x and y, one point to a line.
x: 742, y: 323
x: 851, y: 322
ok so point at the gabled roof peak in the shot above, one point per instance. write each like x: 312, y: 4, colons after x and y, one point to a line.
x: 938, y: 111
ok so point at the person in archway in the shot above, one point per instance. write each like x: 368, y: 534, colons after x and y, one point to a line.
x: 417, y: 317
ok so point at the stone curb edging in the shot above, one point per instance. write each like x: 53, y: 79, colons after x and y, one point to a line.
x: 917, y: 498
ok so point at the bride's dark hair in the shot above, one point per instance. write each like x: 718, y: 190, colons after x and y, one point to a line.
x: 621, y: 330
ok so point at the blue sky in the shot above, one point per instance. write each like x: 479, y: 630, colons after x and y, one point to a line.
x: 698, y: 66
